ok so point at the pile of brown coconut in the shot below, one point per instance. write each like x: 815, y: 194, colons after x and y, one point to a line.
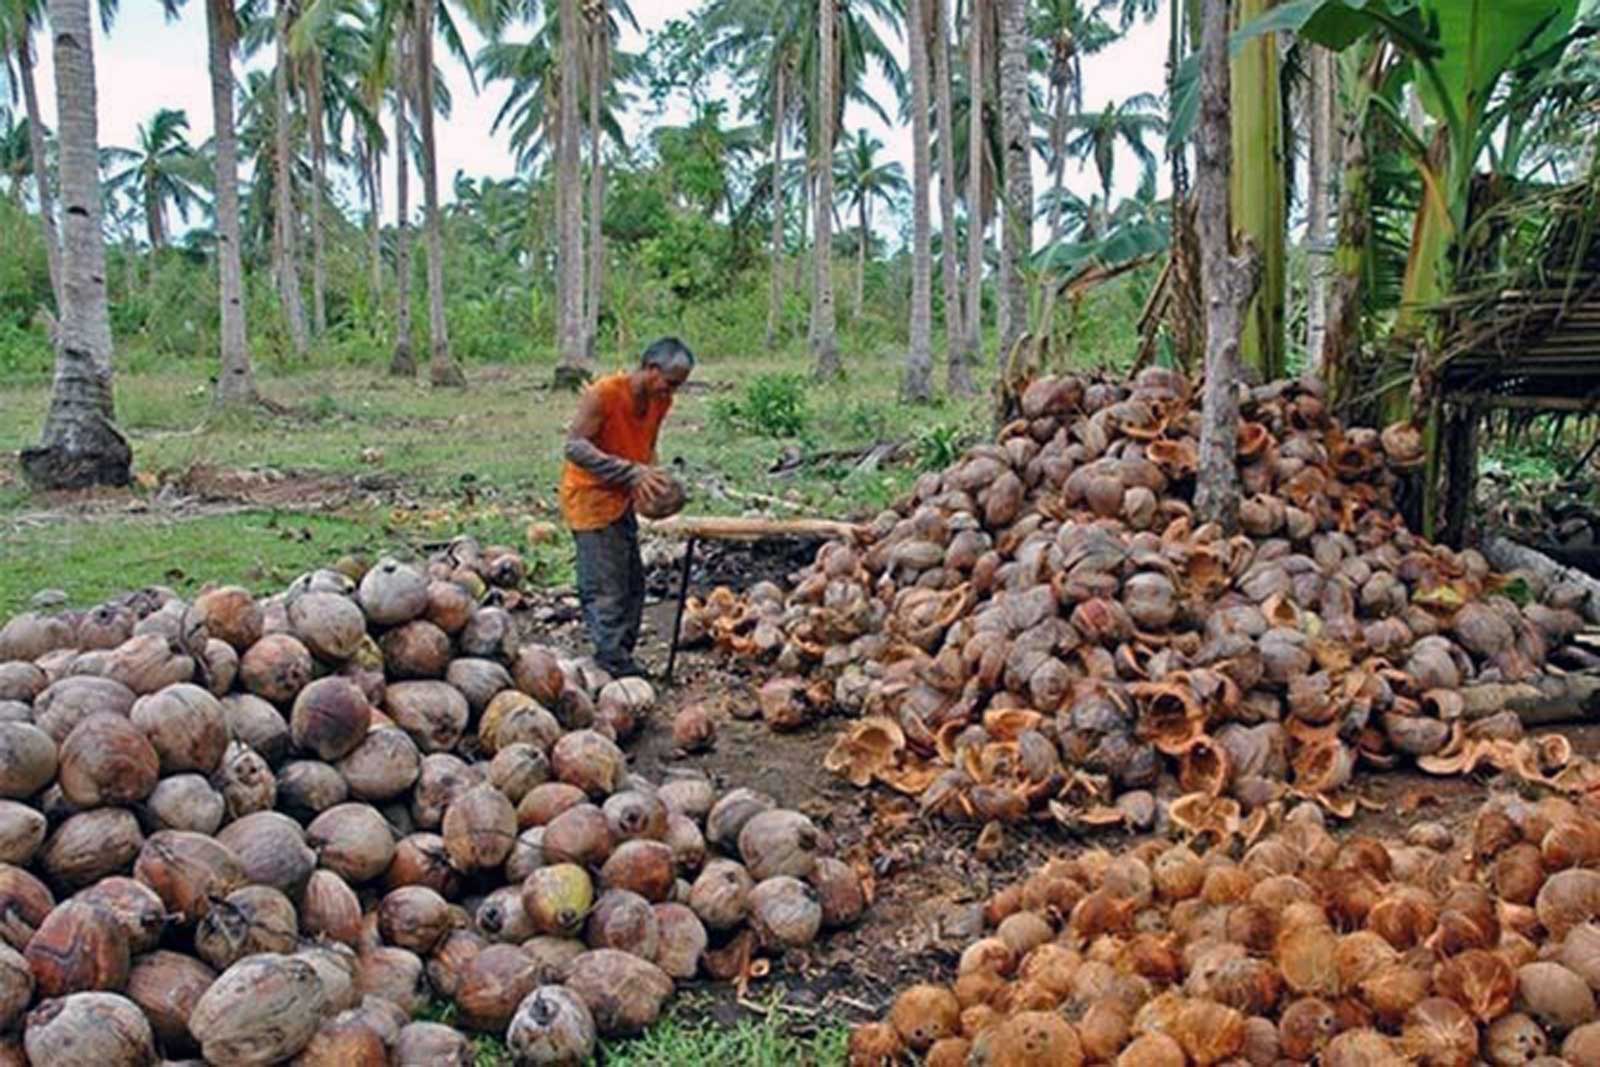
x: 1043, y: 630
x: 276, y: 830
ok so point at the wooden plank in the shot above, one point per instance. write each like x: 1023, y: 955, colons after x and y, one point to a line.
x: 1525, y: 403
x: 723, y: 528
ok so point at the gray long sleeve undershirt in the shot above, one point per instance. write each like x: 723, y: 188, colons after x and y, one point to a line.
x: 611, y: 469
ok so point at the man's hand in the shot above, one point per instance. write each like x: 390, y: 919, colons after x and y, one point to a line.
x: 651, y: 483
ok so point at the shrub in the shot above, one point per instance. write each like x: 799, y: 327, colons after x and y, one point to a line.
x: 773, y: 405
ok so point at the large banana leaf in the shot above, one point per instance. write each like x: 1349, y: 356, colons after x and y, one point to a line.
x: 1478, y: 42
x: 1128, y: 243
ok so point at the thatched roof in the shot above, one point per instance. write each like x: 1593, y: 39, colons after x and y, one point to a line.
x: 1527, y: 334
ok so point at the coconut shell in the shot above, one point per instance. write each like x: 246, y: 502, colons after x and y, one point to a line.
x: 22, y: 832
x: 394, y: 974
x: 346, y: 1040
x: 442, y: 778
x: 258, y: 725
x: 245, y: 781
x: 167, y: 986
x: 383, y: 766
x: 250, y: 920
x: 329, y: 718
x: 136, y: 906
x: 414, y: 918
x: 105, y: 760
x: 551, y: 1025
x: 89, y: 1030
x: 329, y: 625
x: 184, y: 802
x: 479, y: 827
x: 91, y: 845
x: 187, y: 871
x: 433, y: 713
x: 432, y: 1045
x: 418, y: 649
x: 492, y: 985
x: 623, y: 993
x: 272, y: 850
x: 590, y: 761
x: 353, y: 841
x: 329, y: 908
x: 261, y: 1010
x: 275, y: 668
x: 71, y: 700
x: 79, y: 947
x: 392, y: 593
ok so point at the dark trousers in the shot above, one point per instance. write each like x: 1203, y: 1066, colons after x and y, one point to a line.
x: 611, y: 588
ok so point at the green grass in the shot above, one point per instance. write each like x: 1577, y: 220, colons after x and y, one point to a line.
x: 440, y: 463
x: 684, y: 1037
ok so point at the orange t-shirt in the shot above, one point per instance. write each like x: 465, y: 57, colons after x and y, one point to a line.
x: 587, y: 502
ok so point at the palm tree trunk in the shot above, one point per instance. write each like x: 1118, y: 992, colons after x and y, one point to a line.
x: 1260, y: 195
x: 373, y: 168
x: 236, y: 383
x: 1016, y: 126
x: 80, y: 444
x: 599, y: 59
x: 41, y: 170
x: 319, y: 168
x: 442, y: 369
x: 917, y: 387
x: 154, y: 229
x: 575, y: 366
x: 865, y: 223
x: 958, y: 378
x: 1058, y: 160
x: 1227, y: 280
x: 1319, y: 196
x: 824, y: 348
x: 775, y: 296
x: 404, y: 362
x: 288, y: 267
x: 800, y: 260
x: 972, y: 346
x: 1341, y: 340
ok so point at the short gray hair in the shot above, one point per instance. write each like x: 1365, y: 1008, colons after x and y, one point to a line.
x: 667, y: 355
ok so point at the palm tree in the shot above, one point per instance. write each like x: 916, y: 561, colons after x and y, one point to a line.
x: 600, y: 55
x: 917, y: 387
x: 403, y: 363
x: 328, y: 49
x: 442, y: 369
x: 864, y: 178
x: 1095, y: 135
x: 982, y: 161
x: 162, y: 170
x: 824, y: 350
x: 781, y: 43
x: 236, y: 382
x: 575, y: 365
x: 80, y: 444
x: 1069, y: 31
x: 1016, y: 120
x: 18, y: 19
x: 959, y: 374
x: 286, y: 226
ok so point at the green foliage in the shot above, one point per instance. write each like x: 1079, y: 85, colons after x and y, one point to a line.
x: 690, y: 255
x: 772, y: 405
x: 940, y: 445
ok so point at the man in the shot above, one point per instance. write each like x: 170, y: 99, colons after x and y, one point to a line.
x: 610, y: 462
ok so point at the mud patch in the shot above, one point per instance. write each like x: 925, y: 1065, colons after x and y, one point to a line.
x: 269, y: 488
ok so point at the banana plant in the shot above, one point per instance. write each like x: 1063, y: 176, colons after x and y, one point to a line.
x: 1461, y: 53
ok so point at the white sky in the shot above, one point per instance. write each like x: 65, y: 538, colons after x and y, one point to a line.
x: 147, y: 63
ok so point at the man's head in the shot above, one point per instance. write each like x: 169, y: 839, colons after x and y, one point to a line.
x: 666, y: 365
